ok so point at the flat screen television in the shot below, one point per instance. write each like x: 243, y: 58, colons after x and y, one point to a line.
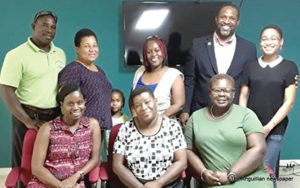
x: 180, y: 23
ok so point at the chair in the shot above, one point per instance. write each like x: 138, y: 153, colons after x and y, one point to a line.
x: 106, y: 172
x: 23, y: 173
x: 107, y: 176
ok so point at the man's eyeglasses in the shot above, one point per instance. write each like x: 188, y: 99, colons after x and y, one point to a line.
x: 225, y: 91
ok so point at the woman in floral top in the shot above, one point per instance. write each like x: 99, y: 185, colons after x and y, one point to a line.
x: 67, y: 147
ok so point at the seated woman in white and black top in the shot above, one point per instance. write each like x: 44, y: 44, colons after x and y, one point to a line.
x: 153, y: 146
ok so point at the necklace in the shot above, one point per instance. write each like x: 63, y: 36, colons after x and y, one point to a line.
x: 218, y: 117
x: 149, y: 129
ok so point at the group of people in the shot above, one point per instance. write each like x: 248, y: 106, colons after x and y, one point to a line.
x: 223, y: 119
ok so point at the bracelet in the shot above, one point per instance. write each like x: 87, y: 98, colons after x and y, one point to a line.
x: 202, y: 172
x: 81, y: 174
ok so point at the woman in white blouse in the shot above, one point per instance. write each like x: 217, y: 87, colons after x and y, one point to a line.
x: 165, y: 83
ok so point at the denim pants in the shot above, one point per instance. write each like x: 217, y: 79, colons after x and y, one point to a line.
x: 274, y: 144
x: 104, y: 145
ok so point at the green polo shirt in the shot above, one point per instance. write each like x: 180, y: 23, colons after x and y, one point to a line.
x: 34, y: 73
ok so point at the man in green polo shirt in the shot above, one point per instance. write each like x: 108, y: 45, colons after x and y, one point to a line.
x: 29, y: 80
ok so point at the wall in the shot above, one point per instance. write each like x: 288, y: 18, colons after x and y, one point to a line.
x: 104, y: 17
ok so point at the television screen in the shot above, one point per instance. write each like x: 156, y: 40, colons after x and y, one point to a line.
x: 175, y: 22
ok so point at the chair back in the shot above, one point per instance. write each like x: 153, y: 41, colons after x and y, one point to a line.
x: 27, y: 150
x: 113, y: 178
x: 24, y: 173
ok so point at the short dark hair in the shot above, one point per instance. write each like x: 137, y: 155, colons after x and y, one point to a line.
x: 272, y: 26
x: 44, y: 13
x: 228, y: 4
x: 221, y: 76
x: 162, y: 45
x: 66, y: 89
x: 85, y: 32
x: 121, y: 93
x: 138, y: 91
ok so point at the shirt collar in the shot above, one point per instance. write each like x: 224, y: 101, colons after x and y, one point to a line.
x: 272, y: 64
x: 37, y: 49
x: 59, y: 124
x: 222, y: 42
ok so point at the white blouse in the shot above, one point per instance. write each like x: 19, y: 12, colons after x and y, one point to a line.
x: 163, y: 90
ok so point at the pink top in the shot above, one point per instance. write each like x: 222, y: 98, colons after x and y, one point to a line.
x: 67, y: 152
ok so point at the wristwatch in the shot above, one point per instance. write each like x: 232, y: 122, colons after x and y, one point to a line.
x: 231, y: 176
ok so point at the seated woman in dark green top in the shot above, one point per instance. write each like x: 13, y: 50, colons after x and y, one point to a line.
x: 226, y: 141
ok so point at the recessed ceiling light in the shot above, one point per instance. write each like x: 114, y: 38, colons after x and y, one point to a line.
x: 151, y: 19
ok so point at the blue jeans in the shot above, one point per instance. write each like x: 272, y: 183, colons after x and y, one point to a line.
x: 104, y: 145
x: 274, y: 144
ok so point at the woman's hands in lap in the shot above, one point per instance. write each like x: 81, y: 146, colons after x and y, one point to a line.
x: 152, y: 184
x: 222, y: 177
x: 211, y: 178
x: 70, y: 182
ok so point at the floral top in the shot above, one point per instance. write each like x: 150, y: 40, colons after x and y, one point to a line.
x: 149, y: 157
x: 67, y: 152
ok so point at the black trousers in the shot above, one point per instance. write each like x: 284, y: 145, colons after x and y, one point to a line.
x: 18, y: 133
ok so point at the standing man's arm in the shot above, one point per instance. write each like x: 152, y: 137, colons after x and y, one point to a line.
x: 189, y: 82
x: 11, y: 101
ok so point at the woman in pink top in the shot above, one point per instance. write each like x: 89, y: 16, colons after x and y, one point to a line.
x: 67, y: 147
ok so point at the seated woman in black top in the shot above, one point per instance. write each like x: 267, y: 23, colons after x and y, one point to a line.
x: 269, y: 90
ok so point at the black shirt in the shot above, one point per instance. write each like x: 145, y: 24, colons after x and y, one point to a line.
x: 266, y: 90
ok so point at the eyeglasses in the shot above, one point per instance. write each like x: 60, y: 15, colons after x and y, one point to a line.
x: 44, y: 13
x: 272, y: 39
x: 225, y: 91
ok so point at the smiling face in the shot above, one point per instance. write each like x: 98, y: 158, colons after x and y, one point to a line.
x: 44, y: 30
x: 87, y: 51
x: 145, y: 107
x: 270, y: 42
x: 154, y: 54
x: 222, y: 93
x: 227, y: 21
x: 73, y: 107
